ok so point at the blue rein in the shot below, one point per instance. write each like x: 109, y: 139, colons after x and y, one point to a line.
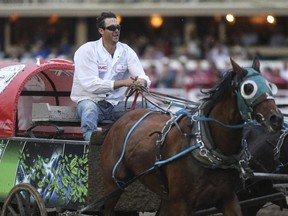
x: 124, y: 146
x: 204, y: 118
x: 174, y: 157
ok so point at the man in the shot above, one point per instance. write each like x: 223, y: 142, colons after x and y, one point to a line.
x: 103, y: 70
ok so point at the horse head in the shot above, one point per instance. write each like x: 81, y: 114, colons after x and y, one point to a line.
x: 243, y: 95
x: 255, y: 97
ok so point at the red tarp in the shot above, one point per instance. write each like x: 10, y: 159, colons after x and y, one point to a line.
x: 20, y: 85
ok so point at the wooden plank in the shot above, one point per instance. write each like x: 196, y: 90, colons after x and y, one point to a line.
x: 43, y: 112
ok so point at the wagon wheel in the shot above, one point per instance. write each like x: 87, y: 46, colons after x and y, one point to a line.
x: 23, y: 200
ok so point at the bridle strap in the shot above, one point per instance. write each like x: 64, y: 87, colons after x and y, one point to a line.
x: 262, y: 98
x: 277, y: 148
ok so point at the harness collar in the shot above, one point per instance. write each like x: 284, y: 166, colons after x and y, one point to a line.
x: 210, y: 157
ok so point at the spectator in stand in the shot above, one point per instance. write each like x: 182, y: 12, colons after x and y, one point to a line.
x: 182, y: 72
x: 249, y: 38
x: 198, y: 77
x: 151, y: 72
x: 213, y: 72
x: 220, y: 55
x: 65, y: 47
x: 193, y: 47
x: 154, y: 52
x: 203, y: 75
x: 167, y: 76
x: 273, y: 76
x: 284, y: 70
x: 277, y: 38
x: 149, y: 52
x: 239, y: 52
x: 39, y: 50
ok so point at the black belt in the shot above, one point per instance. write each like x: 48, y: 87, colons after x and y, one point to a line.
x: 104, y: 103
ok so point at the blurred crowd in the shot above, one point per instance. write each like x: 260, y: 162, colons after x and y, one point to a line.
x: 188, y: 74
x: 174, y: 63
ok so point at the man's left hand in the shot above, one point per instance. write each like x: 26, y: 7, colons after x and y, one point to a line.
x: 139, y: 81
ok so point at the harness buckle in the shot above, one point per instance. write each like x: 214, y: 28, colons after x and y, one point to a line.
x: 203, y: 151
x: 244, y: 175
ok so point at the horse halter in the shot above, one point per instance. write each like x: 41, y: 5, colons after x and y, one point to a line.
x: 252, y: 90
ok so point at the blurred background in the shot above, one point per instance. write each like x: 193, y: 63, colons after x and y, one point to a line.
x: 183, y: 44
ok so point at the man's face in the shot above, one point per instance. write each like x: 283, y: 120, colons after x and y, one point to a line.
x: 108, y: 34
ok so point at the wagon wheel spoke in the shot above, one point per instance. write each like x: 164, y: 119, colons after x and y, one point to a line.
x: 34, y: 210
x: 27, y: 196
x: 11, y: 211
x: 19, y: 201
x: 26, y: 203
x: 24, y: 200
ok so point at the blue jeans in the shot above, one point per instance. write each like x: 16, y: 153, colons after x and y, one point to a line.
x: 91, y: 113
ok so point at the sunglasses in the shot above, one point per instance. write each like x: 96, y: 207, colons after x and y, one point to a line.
x: 113, y: 27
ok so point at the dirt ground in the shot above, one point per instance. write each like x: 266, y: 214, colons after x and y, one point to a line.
x: 268, y: 210
x: 272, y: 210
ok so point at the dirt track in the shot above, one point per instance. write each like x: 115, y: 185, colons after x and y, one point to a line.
x: 272, y: 210
x: 269, y: 210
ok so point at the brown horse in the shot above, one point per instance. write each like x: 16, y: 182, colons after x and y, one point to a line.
x: 206, y: 177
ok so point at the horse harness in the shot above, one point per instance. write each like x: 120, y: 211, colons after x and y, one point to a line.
x: 210, y: 157
x: 173, y: 121
x: 206, y: 154
x: 278, y: 147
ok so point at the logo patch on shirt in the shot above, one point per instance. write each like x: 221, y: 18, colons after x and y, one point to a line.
x: 121, y: 68
x: 102, y: 68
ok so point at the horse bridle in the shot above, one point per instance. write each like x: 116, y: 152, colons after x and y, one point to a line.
x: 246, y: 105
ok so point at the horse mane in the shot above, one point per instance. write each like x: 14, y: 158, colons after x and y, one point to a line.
x: 220, y: 91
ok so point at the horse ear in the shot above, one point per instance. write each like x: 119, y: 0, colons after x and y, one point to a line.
x: 236, y: 68
x: 239, y: 72
x: 256, y: 64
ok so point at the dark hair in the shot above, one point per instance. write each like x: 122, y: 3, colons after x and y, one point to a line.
x: 102, y: 17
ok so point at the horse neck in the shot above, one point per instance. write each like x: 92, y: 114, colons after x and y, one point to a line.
x: 227, y: 140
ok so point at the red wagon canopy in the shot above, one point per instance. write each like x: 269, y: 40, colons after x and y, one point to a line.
x: 22, y: 84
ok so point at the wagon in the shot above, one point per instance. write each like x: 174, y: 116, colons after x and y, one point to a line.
x: 46, y: 167
x: 43, y: 157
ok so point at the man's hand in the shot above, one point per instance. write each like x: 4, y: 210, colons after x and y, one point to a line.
x: 130, y: 81
x: 139, y: 81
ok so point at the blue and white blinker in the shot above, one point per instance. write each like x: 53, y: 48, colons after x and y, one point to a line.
x: 252, y: 90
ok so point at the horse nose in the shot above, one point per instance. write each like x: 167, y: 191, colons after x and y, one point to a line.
x: 276, y: 121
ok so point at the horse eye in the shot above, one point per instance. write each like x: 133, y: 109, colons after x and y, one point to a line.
x: 249, y: 89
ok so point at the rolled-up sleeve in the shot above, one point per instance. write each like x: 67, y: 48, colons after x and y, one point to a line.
x: 135, y: 67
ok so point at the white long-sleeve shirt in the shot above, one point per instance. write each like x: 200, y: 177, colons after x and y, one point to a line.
x: 96, y: 71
